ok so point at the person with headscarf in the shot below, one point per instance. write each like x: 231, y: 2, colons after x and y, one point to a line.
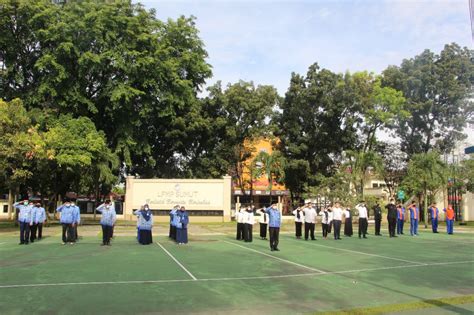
x: 299, y: 219
x: 145, y: 225
x: 107, y: 220
x: 263, y: 224
x: 348, y: 222
x: 182, y: 221
x: 25, y: 219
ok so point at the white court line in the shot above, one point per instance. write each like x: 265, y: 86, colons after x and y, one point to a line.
x: 233, y: 279
x: 275, y: 257
x: 179, y: 264
x: 368, y: 254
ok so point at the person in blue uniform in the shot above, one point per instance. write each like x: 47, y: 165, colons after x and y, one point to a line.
x: 145, y: 225
x: 78, y: 212
x: 25, y: 220
x: 434, y: 214
x: 39, y: 216
x: 274, y: 223
x: 172, y: 233
x: 182, y: 221
x: 414, y: 218
x: 400, y: 218
x: 107, y: 220
x: 69, y: 218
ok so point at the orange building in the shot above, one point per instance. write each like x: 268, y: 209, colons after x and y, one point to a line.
x: 256, y: 191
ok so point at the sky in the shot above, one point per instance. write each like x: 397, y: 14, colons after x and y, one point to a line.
x: 265, y: 41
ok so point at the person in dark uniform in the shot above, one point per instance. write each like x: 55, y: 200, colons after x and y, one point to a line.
x: 378, y: 218
x: 392, y: 217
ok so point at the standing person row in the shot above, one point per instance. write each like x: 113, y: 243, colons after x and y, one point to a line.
x: 391, y: 217
x: 70, y: 217
x: 145, y: 225
x: 299, y: 219
x: 363, y: 219
x: 25, y: 220
x: 107, y: 221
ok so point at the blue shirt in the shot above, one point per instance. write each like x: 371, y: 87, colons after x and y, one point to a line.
x: 39, y: 215
x: 25, y: 214
x: 274, y: 217
x: 69, y: 214
x: 142, y: 223
x: 108, y: 215
x: 414, y: 213
x: 181, y: 219
x: 172, y: 214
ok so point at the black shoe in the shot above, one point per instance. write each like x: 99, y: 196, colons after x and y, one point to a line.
x: 272, y: 249
x: 276, y: 249
x: 103, y: 244
x: 339, y: 238
x: 21, y: 243
x: 365, y: 236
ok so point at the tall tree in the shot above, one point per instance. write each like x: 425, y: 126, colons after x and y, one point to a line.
x: 134, y: 76
x: 272, y: 166
x: 439, y: 91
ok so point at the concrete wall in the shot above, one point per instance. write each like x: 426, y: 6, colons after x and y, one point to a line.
x: 194, y: 194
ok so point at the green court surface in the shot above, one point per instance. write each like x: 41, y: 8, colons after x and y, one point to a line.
x: 216, y: 274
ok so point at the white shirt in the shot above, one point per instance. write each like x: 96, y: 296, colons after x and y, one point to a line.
x: 249, y: 218
x: 240, y: 217
x: 263, y: 218
x: 324, y: 214
x: 337, y: 213
x: 362, y: 211
x: 301, y: 219
x: 347, y: 214
x: 330, y: 216
x: 309, y: 215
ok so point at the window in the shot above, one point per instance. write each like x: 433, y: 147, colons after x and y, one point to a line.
x: 375, y: 185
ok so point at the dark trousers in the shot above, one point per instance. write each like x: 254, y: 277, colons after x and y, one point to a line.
x: 33, y: 229
x: 363, y: 226
x: 348, y: 227
x: 76, y: 235
x: 263, y: 230
x: 298, y: 226
x: 274, y: 235
x: 106, y: 234
x: 68, y: 232
x: 337, y: 229
x: 378, y: 224
x: 392, y: 223
x: 329, y: 227
x: 248, y: 230
x: 434, y: 225
x: 24, y: 232
x: 240, y: 231
x: 400, y: 226
x: 325, y: 229
x: 40, y: 230
x: 309, y: 228
x: 173, y: 232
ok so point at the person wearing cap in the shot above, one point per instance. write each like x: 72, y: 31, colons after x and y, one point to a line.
x: 363, y: 223
x: 400, y: 218
x: 69, y: 218
x: 377, y: 218
x: 309, y: 221
x: 25, y: 220
x: 414, y: 218
x: 263, y: 220
x: 239, y: 217
x: 274, y: 224
x: 434, y: 214
x: 391, y: 217
x: 348, y: 222
x: 337, y: 220
x: 39, y: 216
x: 172, y: 233
x: 450, y: 217
x: 145, y: 225
x: 299, y: 219
x: 107, y: 220
x: 182, y: 221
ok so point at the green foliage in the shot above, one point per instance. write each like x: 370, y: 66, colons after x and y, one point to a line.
x: 438, y: 89
x: 271, y: 165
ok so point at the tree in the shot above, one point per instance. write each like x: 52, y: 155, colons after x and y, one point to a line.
x: 394, y: 164
x: 362, y: 165
x: 426, y: 174
x: 316, y: 122
x: 272, y: 166
x: 134, y: 76
x: 439, y: 91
